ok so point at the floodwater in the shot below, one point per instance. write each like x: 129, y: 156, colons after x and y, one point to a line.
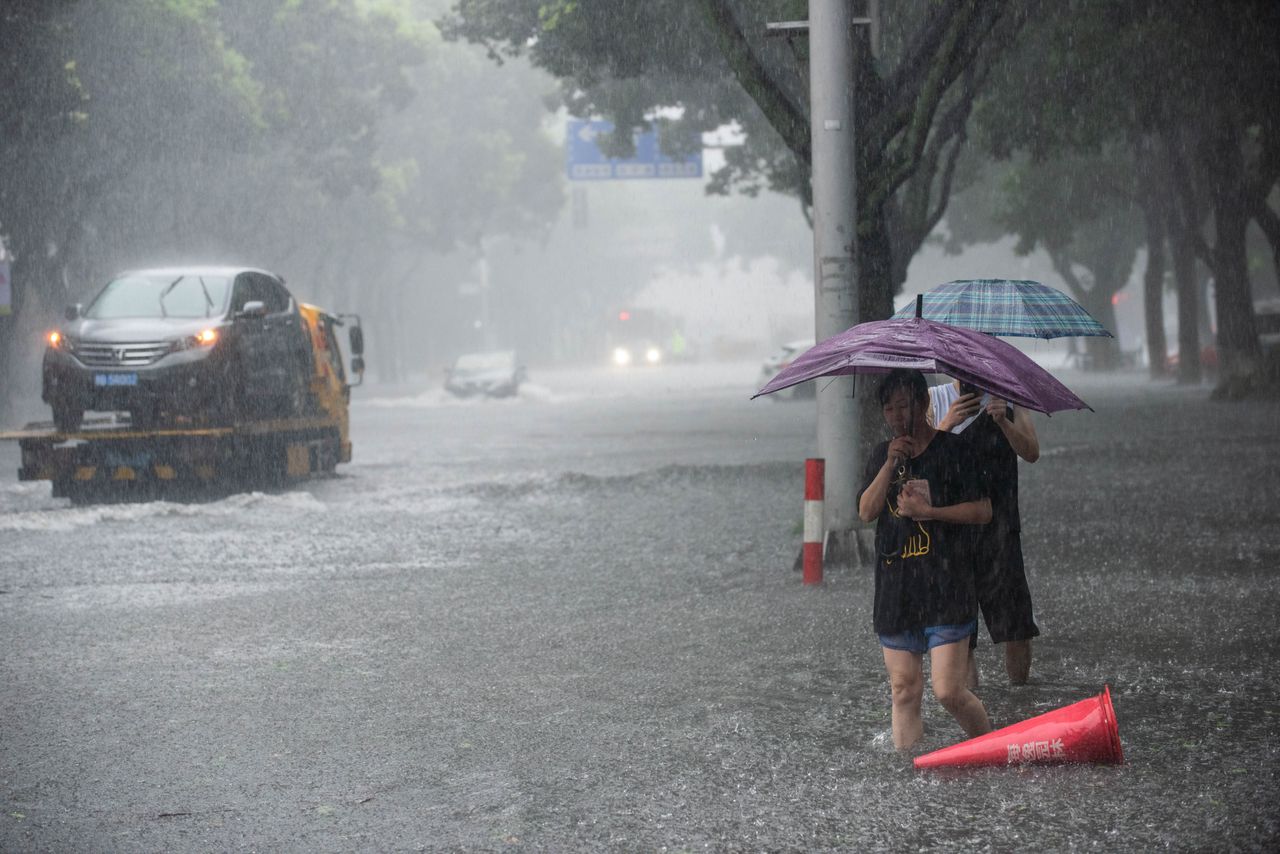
x: 569, y: 622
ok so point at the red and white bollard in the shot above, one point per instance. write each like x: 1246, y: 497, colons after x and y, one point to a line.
x: 814, y: 488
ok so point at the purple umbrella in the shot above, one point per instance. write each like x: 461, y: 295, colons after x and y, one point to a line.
x: 937, y: 348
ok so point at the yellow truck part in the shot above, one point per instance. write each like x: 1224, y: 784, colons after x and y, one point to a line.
x: 106, y: 463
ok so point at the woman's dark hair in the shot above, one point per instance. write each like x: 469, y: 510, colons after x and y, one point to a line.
x: 910, y: 379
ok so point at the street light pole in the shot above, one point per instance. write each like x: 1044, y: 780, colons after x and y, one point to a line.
x: 831, y: 34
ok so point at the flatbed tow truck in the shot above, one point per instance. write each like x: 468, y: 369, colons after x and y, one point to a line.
x: 109, y: 459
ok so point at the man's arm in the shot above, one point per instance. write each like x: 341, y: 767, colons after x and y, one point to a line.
x: 1021, y: 431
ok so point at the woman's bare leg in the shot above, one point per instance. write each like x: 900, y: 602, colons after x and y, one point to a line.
x: 906, y: 683
x: 949, y: 665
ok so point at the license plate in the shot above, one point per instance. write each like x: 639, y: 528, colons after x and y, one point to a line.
x: 115, y: 379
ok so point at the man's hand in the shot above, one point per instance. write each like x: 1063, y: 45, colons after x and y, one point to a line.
x: 913, y: 505
x: 901, y: 449
x: 998, y: 410
x: 965, y: 406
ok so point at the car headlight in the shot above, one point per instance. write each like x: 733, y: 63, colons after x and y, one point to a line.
x: 621, y: 356
x: 203, y: 338
x: 57, y: 341
x: 653, y: 355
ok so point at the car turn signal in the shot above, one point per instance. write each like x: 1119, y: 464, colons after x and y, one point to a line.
x: 207, y: 337
x: 55, y: 339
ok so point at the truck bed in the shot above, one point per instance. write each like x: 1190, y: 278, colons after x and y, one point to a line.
x: 110, y: 459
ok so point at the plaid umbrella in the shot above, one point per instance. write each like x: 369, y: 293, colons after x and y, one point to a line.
x: 1007, y: 307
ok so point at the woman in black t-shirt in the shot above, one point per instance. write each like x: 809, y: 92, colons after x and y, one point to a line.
x: 925, y: 499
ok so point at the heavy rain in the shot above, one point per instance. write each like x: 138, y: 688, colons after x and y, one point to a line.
x: 379, y: 468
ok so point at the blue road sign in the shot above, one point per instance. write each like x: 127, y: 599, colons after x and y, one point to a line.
x: 586, y: 162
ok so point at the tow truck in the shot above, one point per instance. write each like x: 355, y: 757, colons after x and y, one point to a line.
x: 110, y: 459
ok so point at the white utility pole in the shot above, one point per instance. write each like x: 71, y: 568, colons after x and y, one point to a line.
x: 835, y: 217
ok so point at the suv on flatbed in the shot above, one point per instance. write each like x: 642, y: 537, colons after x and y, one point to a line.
x: 223, y: 343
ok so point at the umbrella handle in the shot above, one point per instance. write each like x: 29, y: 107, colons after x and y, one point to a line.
x: 919, y: 305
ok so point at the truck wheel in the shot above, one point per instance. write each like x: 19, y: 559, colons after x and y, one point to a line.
x: 67, y: 417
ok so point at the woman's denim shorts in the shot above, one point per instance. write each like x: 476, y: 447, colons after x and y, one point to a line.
x: 919, y: 640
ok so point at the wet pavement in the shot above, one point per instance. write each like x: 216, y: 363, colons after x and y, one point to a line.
x: 569, y: 622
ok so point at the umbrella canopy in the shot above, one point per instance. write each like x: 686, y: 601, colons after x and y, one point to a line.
x: 1007, y: 307
x: 972, y: 357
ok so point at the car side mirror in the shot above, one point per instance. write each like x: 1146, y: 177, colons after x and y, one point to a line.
x: 357, y: 342
x: 253, y: 308
x: 72, y: 312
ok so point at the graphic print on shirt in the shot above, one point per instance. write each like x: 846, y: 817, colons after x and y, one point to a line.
x: 917, y: 544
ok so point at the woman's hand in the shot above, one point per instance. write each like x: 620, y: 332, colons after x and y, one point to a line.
x: 901, y: 449
x: 914, y: 506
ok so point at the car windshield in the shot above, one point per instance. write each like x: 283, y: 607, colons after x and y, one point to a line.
x: 161, y: 295
x: 474, y: 363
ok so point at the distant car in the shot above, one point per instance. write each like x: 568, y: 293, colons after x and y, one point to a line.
x: 492, y: 374
x: 780, y: 360
x: 638, y: 353
x: 227, y: 342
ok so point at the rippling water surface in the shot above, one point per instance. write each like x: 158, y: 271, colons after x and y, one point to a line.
x: 569, y: 621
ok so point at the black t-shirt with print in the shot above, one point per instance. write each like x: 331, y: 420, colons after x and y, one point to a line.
x: 924, y: 570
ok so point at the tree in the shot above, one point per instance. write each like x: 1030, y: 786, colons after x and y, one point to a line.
x: 712, y: 59
x: 1080, y: 209
x: 1189, y: 93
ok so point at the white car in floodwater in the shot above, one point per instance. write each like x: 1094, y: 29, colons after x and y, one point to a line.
x: 492, y: 374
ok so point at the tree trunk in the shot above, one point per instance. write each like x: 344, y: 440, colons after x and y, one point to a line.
x: 1238, y: 351
x: 875, y: 302
x: 1184, y: 274
x: 1100, y: 353
x: 1153, y: 294
x: 1103, y: 353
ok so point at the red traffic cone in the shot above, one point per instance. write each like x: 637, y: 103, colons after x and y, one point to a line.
x: 1082, y: 732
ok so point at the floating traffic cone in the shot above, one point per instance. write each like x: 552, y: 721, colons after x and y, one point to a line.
x: 1082, y: 732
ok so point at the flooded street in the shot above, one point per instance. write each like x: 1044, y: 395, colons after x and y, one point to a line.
x: 569, y: 621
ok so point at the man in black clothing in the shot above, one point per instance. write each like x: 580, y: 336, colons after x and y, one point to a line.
x: 998, y: 435
x: 924, y: 495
